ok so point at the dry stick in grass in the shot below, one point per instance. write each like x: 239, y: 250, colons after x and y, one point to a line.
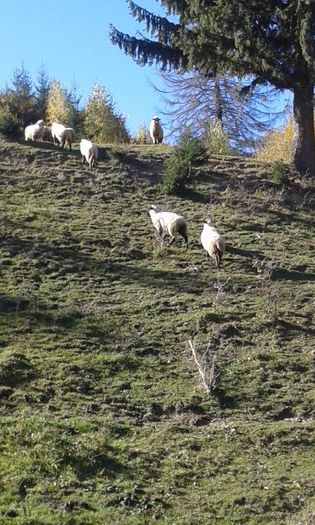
x: 219, y: 287
x: 206, y: 370
x: 201, y: 372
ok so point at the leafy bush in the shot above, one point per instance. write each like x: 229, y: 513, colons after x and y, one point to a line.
x: 178, y: 167
x: 216, y: 140
x: 9, y: 126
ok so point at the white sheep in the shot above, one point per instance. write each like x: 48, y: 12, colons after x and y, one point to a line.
x: 62, y: 135
x: 168, y: 223
x: 89, y: 152
x: 156, y: 131
x: 34, y: 131
x: 212, y: 242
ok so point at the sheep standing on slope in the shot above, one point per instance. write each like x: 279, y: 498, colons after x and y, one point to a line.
x: 34, y: 131
x: 212, y: 242
x: 62, y: 135
x: 89, y: 152
x: 168, y: 223
x: 156, y: 131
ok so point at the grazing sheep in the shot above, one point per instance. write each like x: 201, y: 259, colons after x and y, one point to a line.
x: 34, y: 131
x: 62, y: 135
x: 89, y: 152
x: 212, y: 242
x: 168, y: 223
x: 156, y: 131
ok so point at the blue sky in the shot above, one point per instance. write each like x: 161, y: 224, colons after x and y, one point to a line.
x: 70, y: 39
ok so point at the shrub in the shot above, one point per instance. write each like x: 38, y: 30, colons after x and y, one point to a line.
x: 9, y: 126
x: 142, y: 135
x: 216, y: 140
x: 178, y: 167
x: 279, y: 172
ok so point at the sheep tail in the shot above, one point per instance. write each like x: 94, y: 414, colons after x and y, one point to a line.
x: 182, y: 230
x: 218, y: 254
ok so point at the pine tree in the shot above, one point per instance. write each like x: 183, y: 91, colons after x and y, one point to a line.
x: 58, y: 108
x: 20, y: 99
x: 272, y: 40
x: 41, y: 93
x: 76, y: 114
x: 102, y: 123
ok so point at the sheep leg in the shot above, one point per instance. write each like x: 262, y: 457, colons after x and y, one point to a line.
x: 82, y: 159
x: 162, y: 239
x: 171, y: 241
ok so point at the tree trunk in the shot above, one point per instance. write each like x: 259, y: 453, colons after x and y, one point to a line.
x: 303, y: 153
x: 217, y: 99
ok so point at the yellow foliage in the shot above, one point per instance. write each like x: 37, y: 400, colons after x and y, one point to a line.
x: 58, y: 106
x: 277, y: 146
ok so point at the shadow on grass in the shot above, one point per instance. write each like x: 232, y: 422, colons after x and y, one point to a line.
x: 49, y: 146
x: 10, y: 304
x: 35, y: 311
x: 286, y: 326
x: 97, y: 464
x: 71, y: 259
x: 193, y: 195
x: 155, y: 278
x: 281, y: 274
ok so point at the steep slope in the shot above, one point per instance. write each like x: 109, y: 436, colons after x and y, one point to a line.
x: 103, y: 416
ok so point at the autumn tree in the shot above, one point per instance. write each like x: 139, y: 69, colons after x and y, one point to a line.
x: 272, y: 41
x: 58, y: 108
x: 102, y: 122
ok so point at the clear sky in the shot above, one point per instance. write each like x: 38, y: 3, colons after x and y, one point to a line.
x: 70, y: 39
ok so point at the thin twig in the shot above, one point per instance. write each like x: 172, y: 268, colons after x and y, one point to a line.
x: 201, y: 372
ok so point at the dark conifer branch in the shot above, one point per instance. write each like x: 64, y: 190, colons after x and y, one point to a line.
x: 144, y: 51
x: 156, y: 25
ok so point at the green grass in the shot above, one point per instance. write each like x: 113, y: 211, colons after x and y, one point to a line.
x: 103, y: 417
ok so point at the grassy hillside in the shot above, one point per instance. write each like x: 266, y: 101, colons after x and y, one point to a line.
x: 103, y: 417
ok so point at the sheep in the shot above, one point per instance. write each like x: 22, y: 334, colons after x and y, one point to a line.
x: 62, y: 135
x: 67, y: 136
x: 156, y: 131
x: 168, y: 223
x: 34, y: 131
x: 212, y: 242
x: 89, y: 152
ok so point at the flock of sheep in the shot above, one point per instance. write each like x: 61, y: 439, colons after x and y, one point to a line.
x: 164, y: 222
x: 61, y: 135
